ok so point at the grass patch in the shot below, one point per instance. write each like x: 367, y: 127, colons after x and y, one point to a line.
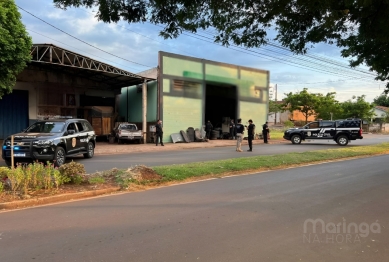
x: 96, y: 180
x: 276, y: 134
x: 257, y: 163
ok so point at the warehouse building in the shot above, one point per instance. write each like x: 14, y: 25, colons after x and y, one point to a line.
x: 190, y: 91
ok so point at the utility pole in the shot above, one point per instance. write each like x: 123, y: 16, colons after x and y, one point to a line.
x: 275, y: 113
x: 144, y: 111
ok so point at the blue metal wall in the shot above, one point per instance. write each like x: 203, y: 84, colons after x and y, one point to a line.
x: 13, y: 113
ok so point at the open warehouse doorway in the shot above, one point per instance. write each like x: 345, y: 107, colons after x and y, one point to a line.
x: 220, y: 106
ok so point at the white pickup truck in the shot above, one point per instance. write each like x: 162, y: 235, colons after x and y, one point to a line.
x: 128, y: 132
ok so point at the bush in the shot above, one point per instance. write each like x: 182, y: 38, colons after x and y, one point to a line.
x: 299, y: 123
x: 32, y: 176
x: 96, y: 180
x: 288, y: 124
x: 73, y: 172
x: 3, y: 172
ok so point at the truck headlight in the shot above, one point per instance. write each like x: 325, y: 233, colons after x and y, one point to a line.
x: 42, y: 143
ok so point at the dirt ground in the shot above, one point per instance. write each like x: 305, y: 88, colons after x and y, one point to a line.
x: 103, y: 147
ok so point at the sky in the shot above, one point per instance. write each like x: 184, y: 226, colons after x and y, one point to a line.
x: 134, y: 48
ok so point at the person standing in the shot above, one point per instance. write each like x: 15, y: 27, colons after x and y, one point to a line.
x: 250, y: 133
x: 158, y: 132
x: 265, y: 132
x: 232, y: 129
x: 208, y: 129
x: 239, y: 135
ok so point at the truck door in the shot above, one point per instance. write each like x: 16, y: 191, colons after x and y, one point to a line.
x: 312, y: 130
x: 327, y: 129
x: 82, y: 138
x: 72, y: 139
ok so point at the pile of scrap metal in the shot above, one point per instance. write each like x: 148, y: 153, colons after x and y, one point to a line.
x: 191, y: 135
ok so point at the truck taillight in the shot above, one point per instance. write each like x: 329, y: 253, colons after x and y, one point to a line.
x: 360, y: 132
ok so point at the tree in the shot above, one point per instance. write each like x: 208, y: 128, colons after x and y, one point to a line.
x: 382, y: 100
x: 303, y: 101
x: 327, y: 106
x: 15, y: 46
x: 359, y: 27
x: 274, y: 107
x: 357, y: 107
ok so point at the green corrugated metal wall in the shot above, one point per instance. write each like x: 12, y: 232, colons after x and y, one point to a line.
x: 183, y: 108
x: 130, y: 105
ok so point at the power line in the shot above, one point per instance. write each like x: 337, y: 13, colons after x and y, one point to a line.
x: 310, y: 59
x: 243, y: 50
x: 75, y: 48
x: 315, y: 57
x: 259, y: 54
x: 82, y: 40
x: 145, y: 36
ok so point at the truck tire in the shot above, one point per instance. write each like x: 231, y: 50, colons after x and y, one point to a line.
x: 91, y: 150
x: 342, y: 140
x: 59, y: 157
x: 296, y: 139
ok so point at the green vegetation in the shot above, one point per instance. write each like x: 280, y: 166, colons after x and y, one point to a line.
x: 35, y: 177
x: 382, y: 100
x: 96, y: 180
x: 15, y: 46
x: 326, y: 106
x: 276, y: 134
x: 32, y: 177
x: 73, y: 172
x: 358, y: 27
x: 218, y: 168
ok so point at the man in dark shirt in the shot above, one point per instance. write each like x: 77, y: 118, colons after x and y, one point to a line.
x: 208, y: 129
x: 265, y: 132
x: 158, y: 132
x: 239, y: 135
x: 250, y: 132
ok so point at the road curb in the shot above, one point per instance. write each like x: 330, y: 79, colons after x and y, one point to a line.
x: 56, y: 198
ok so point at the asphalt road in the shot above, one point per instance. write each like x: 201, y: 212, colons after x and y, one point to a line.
x: 123, y: 161
x: 257, y: 217
x: 168, y: 157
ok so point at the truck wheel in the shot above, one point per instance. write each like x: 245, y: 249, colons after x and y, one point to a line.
x: 296, y: 139
x: 91, y: 150
x: 59, y: 157
x: 342, y: 140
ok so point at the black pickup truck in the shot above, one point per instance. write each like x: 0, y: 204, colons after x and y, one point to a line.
x: 340, y: 131
x: 51, y: 140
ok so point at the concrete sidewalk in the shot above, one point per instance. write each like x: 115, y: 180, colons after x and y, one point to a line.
x: 104, y: 148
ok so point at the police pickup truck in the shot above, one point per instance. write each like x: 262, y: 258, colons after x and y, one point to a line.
x: 340, y: 131
x: 51, y: 140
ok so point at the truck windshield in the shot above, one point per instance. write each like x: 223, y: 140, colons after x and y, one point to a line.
x: 46, y: 127
x: 128, y: 127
